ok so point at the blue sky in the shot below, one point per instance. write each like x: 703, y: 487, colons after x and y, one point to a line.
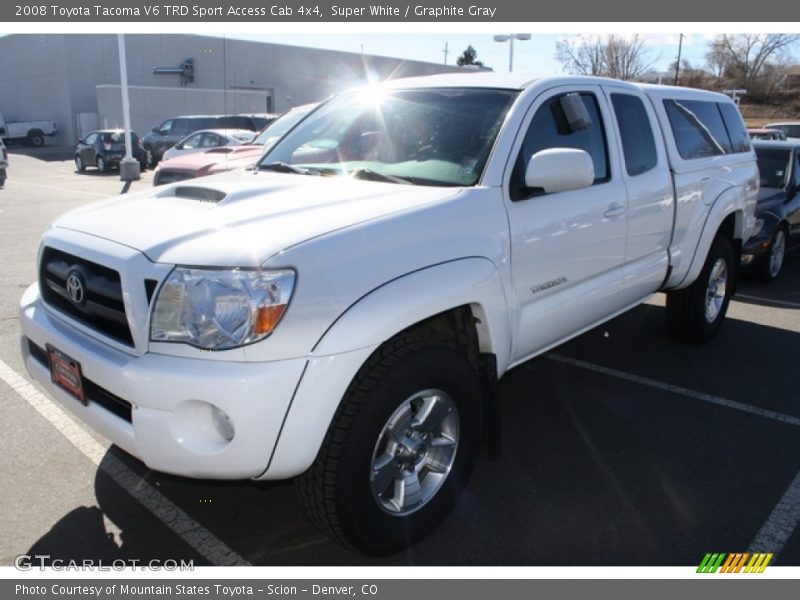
x: 536, y: 56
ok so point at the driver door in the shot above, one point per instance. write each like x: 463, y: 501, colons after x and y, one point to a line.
x: 567, y: 248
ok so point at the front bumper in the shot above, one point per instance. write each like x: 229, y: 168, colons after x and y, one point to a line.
x: 758, y: 245
x: 168, y: 399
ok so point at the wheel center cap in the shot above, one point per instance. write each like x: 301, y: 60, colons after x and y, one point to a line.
x: 411, y: 452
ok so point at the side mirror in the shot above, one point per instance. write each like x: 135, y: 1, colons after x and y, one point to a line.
x: 179, y: 146
x: 81, y: 141
x: 560, y: 170
x: 155, y: 130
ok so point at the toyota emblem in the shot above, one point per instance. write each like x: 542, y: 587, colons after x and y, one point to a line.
x: 76, y: 289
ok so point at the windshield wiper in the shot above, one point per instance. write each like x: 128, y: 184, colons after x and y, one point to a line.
x: 371, y: 175
x: 282, y: 167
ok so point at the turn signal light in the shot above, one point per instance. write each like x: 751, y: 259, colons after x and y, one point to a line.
x: 268, y: 317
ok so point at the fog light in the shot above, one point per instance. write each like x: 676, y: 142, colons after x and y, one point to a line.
x: 223, y: 423
x: 747, y: 259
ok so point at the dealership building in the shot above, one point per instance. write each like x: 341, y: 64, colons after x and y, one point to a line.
x: 74, y: 80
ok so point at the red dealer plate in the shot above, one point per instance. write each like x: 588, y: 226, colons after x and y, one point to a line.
x: 66, y: 373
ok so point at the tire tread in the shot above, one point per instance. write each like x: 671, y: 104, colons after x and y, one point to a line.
x: 683, y: 318
x: 316, y: 488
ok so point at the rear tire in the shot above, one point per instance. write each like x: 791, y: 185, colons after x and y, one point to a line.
x: 102, y: 166
x: 79, y: 165
x: 400, y: 449
x: 36, y: 139
x: 695, y: 313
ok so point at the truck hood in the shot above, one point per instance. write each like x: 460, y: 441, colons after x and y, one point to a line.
x: 242, y: 218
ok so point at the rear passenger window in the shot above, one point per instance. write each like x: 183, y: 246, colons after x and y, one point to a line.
x: 550, y: 129
x: 735, y: 125
x: 698, y: 128
x: 638, y: 143
x: 182, y: 127
x: 235, y: 122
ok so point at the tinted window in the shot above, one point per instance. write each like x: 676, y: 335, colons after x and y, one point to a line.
x: 735, y: 126
x: 165, y: 127
x: 118, y: 137
x: 550, y: 129
x: 638, y: 143
x: 773, y: 167
x: 261, y: 122
x: 235, y: 123
x: 182, y: 127
x: 698, y: 128
x: 790, y: 130
x: 90, y: 139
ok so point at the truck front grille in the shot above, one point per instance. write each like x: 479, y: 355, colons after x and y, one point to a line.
x: 86, y: 291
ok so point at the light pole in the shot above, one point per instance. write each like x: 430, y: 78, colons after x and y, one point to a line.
x: 128, y: 166
x: 678, y: 62
x: 510, y: 39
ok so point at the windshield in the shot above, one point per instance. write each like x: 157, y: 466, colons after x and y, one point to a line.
x: 773, y: 165
x: 281, y: 125
x: 425, y: 137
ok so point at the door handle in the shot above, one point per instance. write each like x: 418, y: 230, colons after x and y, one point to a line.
x: 614, y: 211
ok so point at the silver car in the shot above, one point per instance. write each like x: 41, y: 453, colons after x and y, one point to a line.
x: 205, y: 139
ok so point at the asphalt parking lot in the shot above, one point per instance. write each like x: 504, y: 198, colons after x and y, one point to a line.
x: 622, y: 447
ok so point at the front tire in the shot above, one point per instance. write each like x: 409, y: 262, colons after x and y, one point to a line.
x: 770, y: 264
x: 80, y: 167
x: 400, y: 449
x: 695, y: 313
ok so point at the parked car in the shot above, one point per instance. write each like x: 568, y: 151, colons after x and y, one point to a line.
x: 172, y: 131
x: 766, y: 134
x: 219, y: 160
x: 3, y: 163
x: 790, y: 128
x: 342, y: 313
x: 205, y: 139
x: 105, y: 149
x: 31, y: 133
x: 778, y: 210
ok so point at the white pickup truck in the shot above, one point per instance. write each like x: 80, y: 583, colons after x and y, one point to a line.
x: 342, y: 312
x: 29, y: 132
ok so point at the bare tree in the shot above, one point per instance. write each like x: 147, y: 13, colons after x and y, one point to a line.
x: 755, y: 61
x: 691, y: 76
x: 583, y: 55
x: 616, y: 56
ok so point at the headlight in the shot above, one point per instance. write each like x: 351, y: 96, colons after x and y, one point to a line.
x: 220, y: 309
